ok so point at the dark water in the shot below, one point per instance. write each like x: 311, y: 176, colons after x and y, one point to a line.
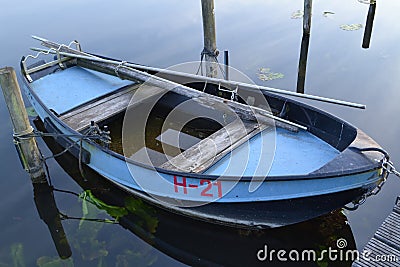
x: 258, y: 34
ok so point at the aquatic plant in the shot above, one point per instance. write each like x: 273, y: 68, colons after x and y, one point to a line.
x: 350, y: 27
x: 265, y: 74
x: 54, y: 262
x: 17, y: 254
x: 298, y: 14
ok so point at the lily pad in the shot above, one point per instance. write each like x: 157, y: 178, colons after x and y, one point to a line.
x: 367, y: 2
x: 265, y: 74
x: 351, y: 27
x: 298, y: 14
x: 327, y: 13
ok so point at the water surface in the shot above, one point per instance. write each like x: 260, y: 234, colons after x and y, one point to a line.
x: 258, y: 34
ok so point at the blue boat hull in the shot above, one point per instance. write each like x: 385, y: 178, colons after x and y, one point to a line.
x: 279, y: 200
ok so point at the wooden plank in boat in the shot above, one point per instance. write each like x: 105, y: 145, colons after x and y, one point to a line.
x: 209, y: 150
x: 109, y: 106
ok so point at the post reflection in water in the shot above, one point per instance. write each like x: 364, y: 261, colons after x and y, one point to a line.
x: 369, y: 24
x: 305, y: 41
x: 186, y: 240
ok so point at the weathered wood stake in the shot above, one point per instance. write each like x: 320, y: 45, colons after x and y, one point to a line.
x: 226, y: 62
x: 307, y: 16
x: 29, y: 152
x: 210, y: 43
x: 368, y: 25
x: 301, y: 78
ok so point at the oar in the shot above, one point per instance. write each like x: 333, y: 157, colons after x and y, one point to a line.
x: 55, y: 45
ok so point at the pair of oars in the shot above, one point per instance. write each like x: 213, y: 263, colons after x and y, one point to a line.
x: 72, y: 53
x: 198, y: 77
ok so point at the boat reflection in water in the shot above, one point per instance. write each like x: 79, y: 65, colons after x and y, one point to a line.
x: 187, y: 240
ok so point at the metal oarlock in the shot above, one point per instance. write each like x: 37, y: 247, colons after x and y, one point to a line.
x: 60, y: 57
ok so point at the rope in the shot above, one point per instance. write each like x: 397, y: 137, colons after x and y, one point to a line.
x: 214, y: 54
x: 28, y: 131
x: 120, y: 65
x: 94, y: 133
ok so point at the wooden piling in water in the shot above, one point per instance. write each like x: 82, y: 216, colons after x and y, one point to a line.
x: 307, y: 16
x: 27, y: 147
x: 302, y: 69
x: 368, y: 25
x: 226, y: 62
x: 210, y: 44
x: 301, y: 78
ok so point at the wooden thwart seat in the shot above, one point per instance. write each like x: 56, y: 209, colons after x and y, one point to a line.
x: 109, y: 106
x: 209, y: 150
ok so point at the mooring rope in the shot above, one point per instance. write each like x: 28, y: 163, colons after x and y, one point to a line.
x: 93, y: 133
x: 213, y: 54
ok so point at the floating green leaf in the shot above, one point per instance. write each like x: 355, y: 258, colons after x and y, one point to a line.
x: 54, y: 262
x: 265, y: 74
x: 327, y: 13
x: 17, y: 254
x: 298, y: 14
x: 350, y: 27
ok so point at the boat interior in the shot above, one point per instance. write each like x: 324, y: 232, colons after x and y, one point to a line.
x: 198, y: 139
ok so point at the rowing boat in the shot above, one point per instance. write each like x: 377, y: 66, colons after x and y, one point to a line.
x: 215, y: 151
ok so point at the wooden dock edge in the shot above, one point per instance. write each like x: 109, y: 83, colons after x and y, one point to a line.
x: 384, y: 248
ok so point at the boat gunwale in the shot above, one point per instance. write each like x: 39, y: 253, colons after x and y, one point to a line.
x: 368, y: 168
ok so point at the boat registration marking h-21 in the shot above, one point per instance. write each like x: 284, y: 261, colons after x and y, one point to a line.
x: 181, y: 186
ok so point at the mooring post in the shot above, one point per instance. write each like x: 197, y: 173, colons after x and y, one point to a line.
x: 301, y: 76
x: 307, y: 16
x: 27, y: 147
x: 210, y: 51
x: 226, y: 62
x: 368, y: 25
x: 305, y: 41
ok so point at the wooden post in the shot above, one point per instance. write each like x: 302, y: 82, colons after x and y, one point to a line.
x: 368, y: 25
x: 226, y: 62
x: 29, y: 152
x: 301, y: 78
x: 307, y: 16
x: 210, y: 44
